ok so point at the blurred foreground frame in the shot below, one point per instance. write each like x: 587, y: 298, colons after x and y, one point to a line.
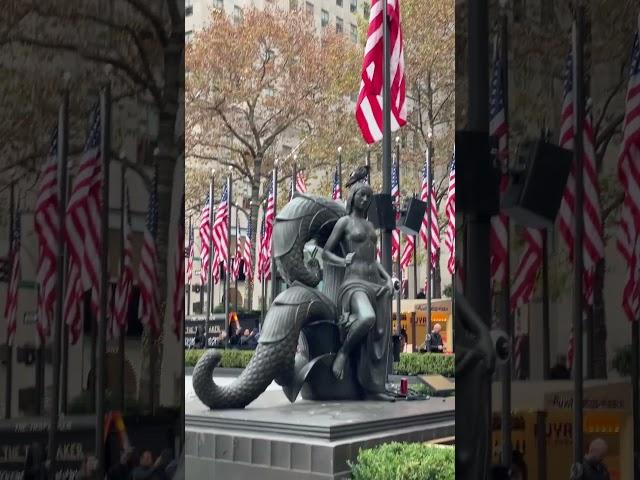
x: 67, y: 66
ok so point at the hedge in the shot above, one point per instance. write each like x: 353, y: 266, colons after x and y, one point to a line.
x: 409, y: 364
x: 405, y: 461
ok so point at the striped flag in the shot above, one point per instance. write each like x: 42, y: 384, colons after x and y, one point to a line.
x: 628, y: 241
x: 47, y: 229
x: 221, y: 235
x: 125, y: 282
x: 395, y: 194
x: 11, y: 306
x: 149, y: 310
x: 428, y: 195
x: 407, y: 255
x: 82, y: 231
x: 336, y: 191
x: 205, y: 239
x: 570, y: 350
x: 593, y: 249
x: 191, y: 255
x: 178, y: 284
x: 450, y: 210
x: 298, y: 184
x: 246, y: 253
x: 369, y: 103
x: 265, y: 248
x: 524, y: 282
x: 498, y: 129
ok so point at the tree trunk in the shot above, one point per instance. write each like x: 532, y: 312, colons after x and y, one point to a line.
x: 599, y: 345
x: 169, y: 151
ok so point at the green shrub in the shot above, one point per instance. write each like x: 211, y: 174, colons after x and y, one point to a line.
x: 425, y: 364
x: 231, y: 358
x: 405, y: 461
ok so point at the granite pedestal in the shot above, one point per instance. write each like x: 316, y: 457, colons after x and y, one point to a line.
x: 272, y: 439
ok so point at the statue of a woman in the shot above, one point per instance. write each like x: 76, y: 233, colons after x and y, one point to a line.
x: 364, y: 299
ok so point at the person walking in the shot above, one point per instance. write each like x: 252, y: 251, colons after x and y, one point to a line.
x: 436, y: 345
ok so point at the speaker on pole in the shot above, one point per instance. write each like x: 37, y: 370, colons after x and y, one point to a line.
x: 381, y: 212
x: 411, y: 216
x: 534, y: 195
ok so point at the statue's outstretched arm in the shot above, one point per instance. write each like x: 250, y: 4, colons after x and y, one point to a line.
x: 333, y: 241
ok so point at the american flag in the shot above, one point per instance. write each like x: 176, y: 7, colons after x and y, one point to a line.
x: 450, y: 210
x: 178, y: 284
x: 529, y: 265
x: 265, y: 247
x: 428, y: 195
x: 570, y: 350
x: 628, y: 241
x: 298, y: 184
x: 369, y: 103
x: 237, y: 260
x: 125, y: 282
x: 149, y: 310
x: 221, y: 235
x: 499, y: 130
x: 395, y: 193
x: 519, y: 347
x: 191, y: 255
x: 47, y: 228
x: 11, y: 307
x: 593, y: 249
x: 205, y: 239
x: 336, y: 191
x: 407, y: 255
x: 82, y: 231
x: 246, y: 253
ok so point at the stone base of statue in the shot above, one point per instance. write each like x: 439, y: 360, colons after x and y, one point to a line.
x: 304, y: 440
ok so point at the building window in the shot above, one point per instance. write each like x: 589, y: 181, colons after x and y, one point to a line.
x: 237, y: 14
x: 293, y: 4
x: 188, y: 7
x: 187, y: 36
x: 218, y: 4
x: 353, y: 7
x: 309, y: 8
x: 354, y: 33
x: 339, y: 3
x: 339, y: 25
x: 324, y: 18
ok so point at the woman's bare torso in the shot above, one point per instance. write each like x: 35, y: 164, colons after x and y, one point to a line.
x: 360, y: 239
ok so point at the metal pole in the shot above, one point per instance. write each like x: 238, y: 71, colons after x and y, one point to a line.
x: 507, y: 372
x: 293, y: 179
x: 340, y: 171
x: 635, y: 369
x: 9, y: 366
x: 546, y: 349
x: 478, y: 226
x: 429, y: 289
x: 189, y: 284
x: 274, y: 270
x: 63, y: 126
x: 541, y: 440
x: 227, y: 279
x: 368, y: 163
x: 398, y: 253
x: 237, y: 258
x: 210, y: 266
x: 578, y: 237
x: 415, y: 265
x: 386, y: 134
x: 105, y: 111
x: 121, y: 340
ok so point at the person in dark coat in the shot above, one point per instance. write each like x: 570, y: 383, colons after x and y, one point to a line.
x: 593, y: 462
x: 560, y: 371
x: 123, y: 469
x: 436, y: 345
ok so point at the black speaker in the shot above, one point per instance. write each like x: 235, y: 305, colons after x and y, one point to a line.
x: 477, y: 178
x: 534, y: 195
x: 411, y: 217
x: 381, y: 212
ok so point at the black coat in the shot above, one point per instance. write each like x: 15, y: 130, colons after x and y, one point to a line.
x: 435, y: 340
x: 594, y: 470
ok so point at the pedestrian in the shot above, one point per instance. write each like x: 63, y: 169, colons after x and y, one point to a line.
x: 435, y: 343
x: 122, y: 470
x: 35, y: 463
x: 560, y: 371
x: 593, y: 467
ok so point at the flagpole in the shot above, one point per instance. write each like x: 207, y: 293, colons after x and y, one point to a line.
x: 121, y: 340
x: 368, y: 163
x: 210, y: 266
x: 578, y: 73
x: 8, y: 366
x: 294, y: 178
x: 635, y: 373
x: 63, y: 126
x: 545, y: 306
x: 237, y: 259
x: 227, y: 276
x: 274, y: 271
x: 340, y: 171
x: 386, y: 133
x: 189, y: 282
x: 105, y: 148
x: 398, y: 266
x: 507, y: 373
x: 429, y: 291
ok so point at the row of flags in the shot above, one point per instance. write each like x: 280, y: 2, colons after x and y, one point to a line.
x: 82, y: 234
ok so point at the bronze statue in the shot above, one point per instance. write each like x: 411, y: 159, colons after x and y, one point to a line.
x: 328, y: 335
